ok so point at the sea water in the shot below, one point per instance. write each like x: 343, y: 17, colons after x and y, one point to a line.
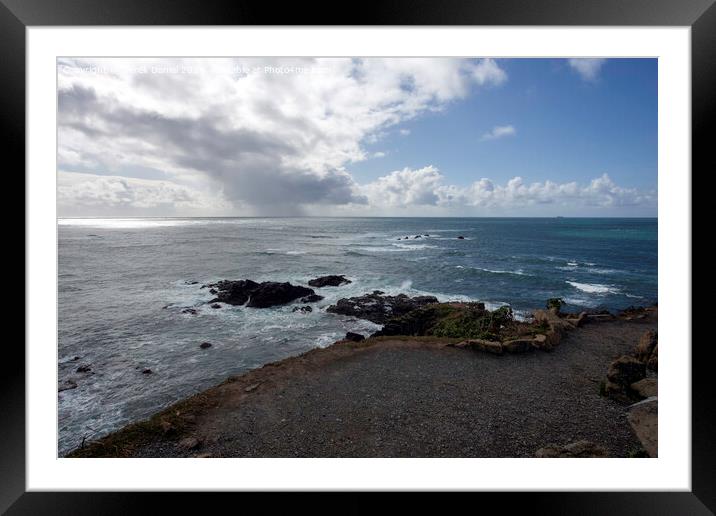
x: 123, y: 285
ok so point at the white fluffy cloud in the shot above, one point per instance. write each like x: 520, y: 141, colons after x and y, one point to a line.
x: 499, y: 131
x: 587, y: 68
x: 272, y: 134
x: 426, y: 187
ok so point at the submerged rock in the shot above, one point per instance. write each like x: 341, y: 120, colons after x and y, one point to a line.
x: 378, y: 308
x: 303, y: 309
x: 67, y: 385
x: 205, y: 345
x: 329, y: 281
x: 258, y: 295
x: 313, y: 298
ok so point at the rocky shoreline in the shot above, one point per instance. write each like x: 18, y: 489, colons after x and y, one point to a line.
x: 627, y: 385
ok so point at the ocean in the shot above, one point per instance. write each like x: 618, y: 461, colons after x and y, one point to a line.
x: 123, y: 285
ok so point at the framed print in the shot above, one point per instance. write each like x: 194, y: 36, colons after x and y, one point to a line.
x: 436, y: 240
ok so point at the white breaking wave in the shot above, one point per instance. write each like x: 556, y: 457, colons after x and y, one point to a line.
x: 594, y: 288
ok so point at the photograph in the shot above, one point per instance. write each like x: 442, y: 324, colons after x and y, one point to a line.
x: 369, y: 257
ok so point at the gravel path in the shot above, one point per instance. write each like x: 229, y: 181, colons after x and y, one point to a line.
x: 417, y: 398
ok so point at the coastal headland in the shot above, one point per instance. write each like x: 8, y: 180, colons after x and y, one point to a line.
x: 438, y: 380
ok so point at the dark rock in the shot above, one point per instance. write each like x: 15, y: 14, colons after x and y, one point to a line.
x: 258, y: 295
x: 205, y: 345
x: 379, y: 308
x: 190, y: 311
x: 626, y: 370
x: 67, y: 385
x: 379, y: 292
x: 622, y: 373
x: 426, y: 235
x: 75, y: 358
x: 84, y: 369
x: 216, y: 305
x: 302, y: 309
x: 355, y: 337
x: 313, y: 298
x: 234, y: 292
x: 147, y: 371
x: 191, y: 282
x: 461, y: 237
x: 329, y: 281
x: 213, y: 291
x: 417, y: 236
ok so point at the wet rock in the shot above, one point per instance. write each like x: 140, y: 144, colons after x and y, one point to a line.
x: 205, y: 345
x: 67, y: 385
x: 379, y: 308
x: 329, y: 281
x: 187, y: 282
x: 355, y: 337
x: 302, y: 309
x: 576, y: 449
x: 643, y: 418
x: 461, y: 237
x: 84, y: 369
x: 190, y: 311
x: 147, y: 371
x: 258, y: 295
x: 216, y: 305
x: 313, y: 298
x: 646, y: 388
x: 417, y: 236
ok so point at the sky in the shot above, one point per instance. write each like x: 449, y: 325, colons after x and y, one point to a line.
x: 357, y: 137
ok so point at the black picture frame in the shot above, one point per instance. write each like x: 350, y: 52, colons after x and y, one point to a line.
x: 700, y: 15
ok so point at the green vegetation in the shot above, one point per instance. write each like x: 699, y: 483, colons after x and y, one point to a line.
x: 474, y: 323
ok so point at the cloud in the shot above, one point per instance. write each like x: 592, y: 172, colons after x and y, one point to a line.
x: 499, y: 131
x: 78, y: 194
x: 405, y: 132
x: 427, y: 187
x: 273, y: 134
x: 588, y: 69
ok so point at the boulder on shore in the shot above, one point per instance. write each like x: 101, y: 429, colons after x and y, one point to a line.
x: 378, y: 308
x: 575, y: 449
x: 622, y: 373
x: 646, y: 345
x: 329, y: 281
x: 643, y: 418
x: 258, y: 295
